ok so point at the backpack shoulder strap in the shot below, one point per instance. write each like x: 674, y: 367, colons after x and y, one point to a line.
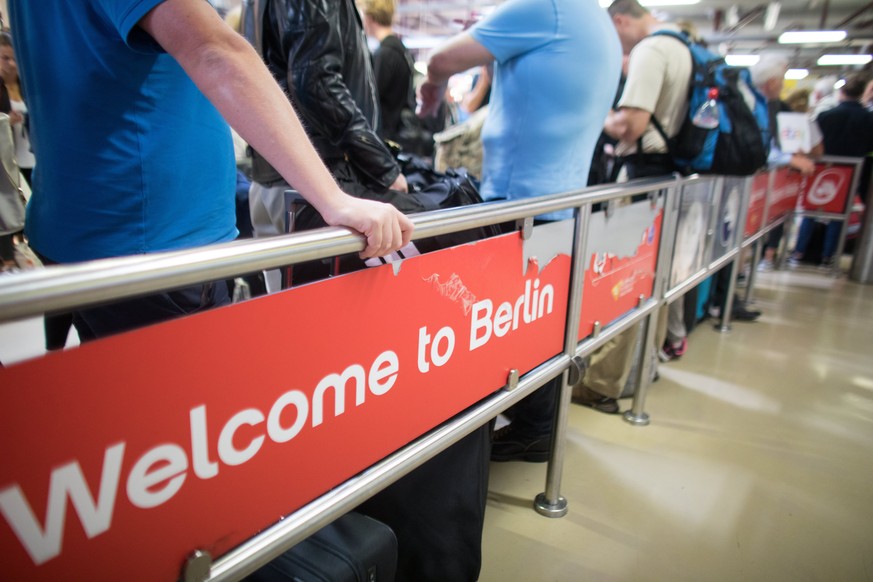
x: 680, y: 35
x: 686, y: 40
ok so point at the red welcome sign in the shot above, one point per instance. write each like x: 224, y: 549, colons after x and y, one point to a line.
x: 615, y: 281
x: 786, y: 189
x: 122, y: 456
x: 827, y: 189
x: 757, y: 204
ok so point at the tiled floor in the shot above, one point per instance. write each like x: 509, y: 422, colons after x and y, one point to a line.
x: 757, y: 465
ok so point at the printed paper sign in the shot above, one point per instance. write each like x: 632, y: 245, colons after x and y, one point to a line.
x: 794, y: 132
x: 688, y: 251
x: 728, y: 215
x: 124, y: 455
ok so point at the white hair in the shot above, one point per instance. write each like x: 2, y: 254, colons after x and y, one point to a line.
x: 770, y: 66
x: 824, y: 86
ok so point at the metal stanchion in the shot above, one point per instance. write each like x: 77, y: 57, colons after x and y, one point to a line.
x: 724, y: 325
x: 637, y: 415
x: 550, y: 503
x: 757, y: 249
x: 862, y: 263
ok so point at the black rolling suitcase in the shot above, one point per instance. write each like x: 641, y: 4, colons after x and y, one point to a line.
x: 354, y: 548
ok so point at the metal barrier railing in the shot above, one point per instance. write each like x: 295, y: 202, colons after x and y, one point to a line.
x: 64, y: 287
x: 68, y: 287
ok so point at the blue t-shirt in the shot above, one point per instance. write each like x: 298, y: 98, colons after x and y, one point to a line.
x: 130, y: 156
x: 557, y: 71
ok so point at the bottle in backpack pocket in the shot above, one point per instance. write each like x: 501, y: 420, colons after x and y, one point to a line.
x: 706, y: 116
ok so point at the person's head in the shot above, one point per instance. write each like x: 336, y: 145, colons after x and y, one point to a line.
x: 378, y: 14
x: 823, y: 88
x: 768, y: 75
x: 854, y: 87
x: 632, y: 21
x: 8, y: 66
x: 690, y: 29
x: 798, y: 99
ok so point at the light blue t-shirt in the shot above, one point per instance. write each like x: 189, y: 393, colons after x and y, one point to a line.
x: 557, y: 71
x: 130, y: 156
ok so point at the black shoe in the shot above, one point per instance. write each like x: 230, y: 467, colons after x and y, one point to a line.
x: 508, y: 444
x: 743, y: 313
x: 587, y: 397
x: 603, y: 404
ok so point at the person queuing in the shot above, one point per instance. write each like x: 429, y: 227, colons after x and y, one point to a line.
x: 129, y: 111
x: 556, y: 69
x: 847, y: 130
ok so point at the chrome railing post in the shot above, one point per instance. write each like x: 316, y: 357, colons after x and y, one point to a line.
x: 637, y: 415
x: 550, y: 503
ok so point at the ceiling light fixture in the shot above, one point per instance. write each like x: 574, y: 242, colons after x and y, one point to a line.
x: 741, y: 60
x: 811, y: 36
x: 796, y: 74
x: 827, y: 60
x: 650, y: 3
x: 771, y: 15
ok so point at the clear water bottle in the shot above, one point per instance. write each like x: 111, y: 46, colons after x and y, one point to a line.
x: 706, y: 116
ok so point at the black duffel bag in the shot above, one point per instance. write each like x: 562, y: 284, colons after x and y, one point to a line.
x: 354, y: 548
x: 428, y: 190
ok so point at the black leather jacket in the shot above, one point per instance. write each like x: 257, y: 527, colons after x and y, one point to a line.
x: 317, y: 51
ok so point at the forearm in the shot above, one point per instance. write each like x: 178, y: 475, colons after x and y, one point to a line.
x: 231, y: 75
x: 626, y: 124
x: 460, y: 53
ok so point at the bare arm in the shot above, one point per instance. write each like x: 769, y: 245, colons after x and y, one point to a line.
x: 627, y: 124
x: 459, y: 53
x: 802, y: 164
x: 232, y: 76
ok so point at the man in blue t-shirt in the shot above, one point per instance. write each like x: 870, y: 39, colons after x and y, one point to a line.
x: 557, y: 67
x: 128, y: 101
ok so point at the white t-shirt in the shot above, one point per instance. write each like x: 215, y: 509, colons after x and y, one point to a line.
x: 22, y: 141
x: 659, y: 72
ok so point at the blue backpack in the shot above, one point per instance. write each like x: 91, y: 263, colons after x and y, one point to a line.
x: 740, y: 144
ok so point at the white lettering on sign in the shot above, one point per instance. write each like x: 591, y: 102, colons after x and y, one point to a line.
x: 66, y: 480
x: 530, y: 306
x: 159, y: 474
x: 438, y: 355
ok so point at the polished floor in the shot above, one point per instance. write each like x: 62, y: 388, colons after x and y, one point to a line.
x: 757, y: 464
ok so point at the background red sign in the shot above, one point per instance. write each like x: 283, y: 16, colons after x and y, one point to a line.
x: 124, y: 455
x: 613, y: 284
x: 757, y: 204
x: 784, y: 194
x: 827, y: 190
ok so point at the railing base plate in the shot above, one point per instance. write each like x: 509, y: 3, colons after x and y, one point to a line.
x: 543, y: 507
x: 641, y: 420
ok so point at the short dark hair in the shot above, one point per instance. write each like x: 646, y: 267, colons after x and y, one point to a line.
x: 627, y: 7
x: 5, y: 39
x: 855, y: 84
